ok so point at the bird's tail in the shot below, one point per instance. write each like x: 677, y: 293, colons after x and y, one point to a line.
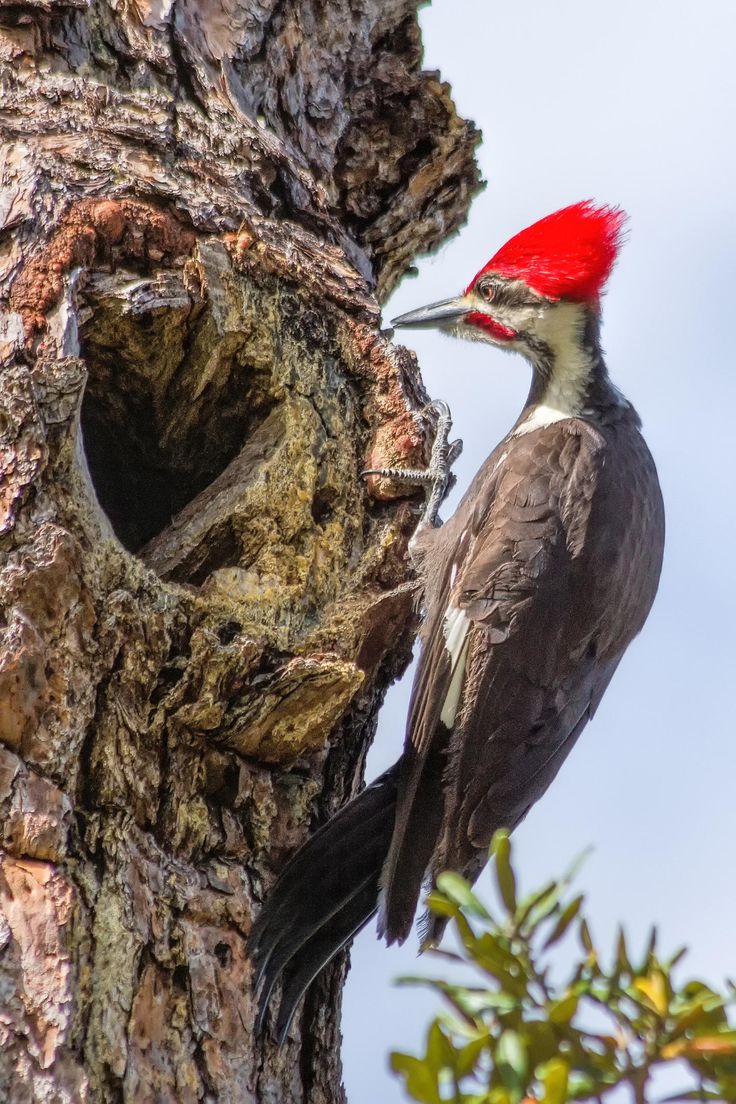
x: 324, y: 896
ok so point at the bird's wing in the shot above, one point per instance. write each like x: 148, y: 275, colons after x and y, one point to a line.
x: 419, y: 802
x: 553, y: 596
x: 498, y: 623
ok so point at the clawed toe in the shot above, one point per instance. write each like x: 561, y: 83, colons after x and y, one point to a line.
x: 454, y: 450
x: 436, y: 477
x: 440, y: 407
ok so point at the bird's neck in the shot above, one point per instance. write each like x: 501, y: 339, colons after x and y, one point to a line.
x: 570, y: 378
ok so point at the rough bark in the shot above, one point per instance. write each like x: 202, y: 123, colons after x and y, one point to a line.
x: 201, y: 603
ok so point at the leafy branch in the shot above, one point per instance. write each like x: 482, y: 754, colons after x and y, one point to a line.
x: 519, y: 1036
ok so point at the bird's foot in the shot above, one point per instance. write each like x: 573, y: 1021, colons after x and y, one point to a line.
x: 436, y: 477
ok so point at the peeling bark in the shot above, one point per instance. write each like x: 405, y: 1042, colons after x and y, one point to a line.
x: 201, y: 602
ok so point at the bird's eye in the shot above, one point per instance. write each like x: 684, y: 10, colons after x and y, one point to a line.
x: 487, y: 291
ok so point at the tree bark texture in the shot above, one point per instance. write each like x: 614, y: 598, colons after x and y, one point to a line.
x: 201, y: 603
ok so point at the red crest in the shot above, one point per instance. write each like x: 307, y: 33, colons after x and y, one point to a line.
x: 567, y: 255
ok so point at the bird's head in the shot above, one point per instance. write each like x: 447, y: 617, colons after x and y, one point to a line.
x: 537, y: 289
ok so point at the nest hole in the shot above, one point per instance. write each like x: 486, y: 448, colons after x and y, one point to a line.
x: 170, y: 398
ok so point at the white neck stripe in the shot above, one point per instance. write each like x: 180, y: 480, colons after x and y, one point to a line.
x: 541, y: 415
x: 571, y: 368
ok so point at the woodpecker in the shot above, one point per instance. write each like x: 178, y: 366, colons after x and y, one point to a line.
x: 533, y: 590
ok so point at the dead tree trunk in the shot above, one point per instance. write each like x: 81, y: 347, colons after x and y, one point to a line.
x: 200, y: 603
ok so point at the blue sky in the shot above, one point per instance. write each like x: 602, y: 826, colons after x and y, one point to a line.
x: 630, y: 103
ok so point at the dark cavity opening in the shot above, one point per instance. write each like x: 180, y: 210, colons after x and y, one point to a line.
x: 171, y: 398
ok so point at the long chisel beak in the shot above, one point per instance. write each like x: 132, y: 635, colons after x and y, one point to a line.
x: 435, y: 314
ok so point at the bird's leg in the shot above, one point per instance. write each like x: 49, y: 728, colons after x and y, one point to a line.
x: 437, y: 475
x: 443, y: 455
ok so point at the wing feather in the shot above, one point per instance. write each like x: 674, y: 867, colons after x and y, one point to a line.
x: 536, y: 586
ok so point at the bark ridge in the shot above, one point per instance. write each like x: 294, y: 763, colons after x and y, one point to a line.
x: 201, y: 603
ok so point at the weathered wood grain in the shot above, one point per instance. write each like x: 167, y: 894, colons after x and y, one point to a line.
x: 201, y: 601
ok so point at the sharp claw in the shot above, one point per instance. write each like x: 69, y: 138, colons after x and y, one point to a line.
x: 454, y: 450
x: 437, y: 475
x: 440, y: 407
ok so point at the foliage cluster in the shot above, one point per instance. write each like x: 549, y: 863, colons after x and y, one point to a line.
x: 520, y: 1036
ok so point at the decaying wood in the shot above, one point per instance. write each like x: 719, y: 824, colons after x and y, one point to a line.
x: 201, y: 602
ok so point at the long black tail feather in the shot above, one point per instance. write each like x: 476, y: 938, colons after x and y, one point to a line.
x: 324, y: 896
x: 321, y: 949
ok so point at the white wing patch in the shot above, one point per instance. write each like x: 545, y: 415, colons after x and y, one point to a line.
x: 455, y: 628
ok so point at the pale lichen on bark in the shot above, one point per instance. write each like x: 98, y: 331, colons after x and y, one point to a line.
x: 200, y: 600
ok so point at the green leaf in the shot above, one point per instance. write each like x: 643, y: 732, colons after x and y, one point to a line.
x: 676, y: 958
x: 440, y: 1051
x: 542, y: 1041
x: 564, y: 921
x: 563, y: 1010
x: 518, y: 1019
x: 501, y: 848
x: 466, y: 1001
x: 649, y: 952
x: 554, y: 1076
x: 458, y: 890
x: 585, y: 937
x: 537, y: 906
x: 653, y: 989
x: 511, y: 1061
x: 623, y: 962
x: 467, y: 1057
x: 448, y: 956
x: 439, y: 904
x: 491, y: 956
x: 581, y: 1086
x: 421, y: 1083
x: 705, y: 1011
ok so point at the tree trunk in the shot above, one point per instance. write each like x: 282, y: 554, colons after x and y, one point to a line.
x: 201, y: 603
